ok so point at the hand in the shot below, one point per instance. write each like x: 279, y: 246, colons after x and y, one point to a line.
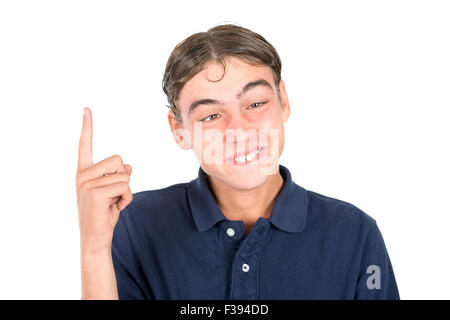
x: 102, y: 192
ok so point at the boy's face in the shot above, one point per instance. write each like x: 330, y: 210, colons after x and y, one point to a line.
x: 224, y: 134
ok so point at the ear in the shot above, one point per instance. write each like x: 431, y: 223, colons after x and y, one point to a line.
x: 285, y: 106
x: 181, y: 135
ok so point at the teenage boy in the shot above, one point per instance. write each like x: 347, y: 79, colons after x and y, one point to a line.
x: 243, y: 229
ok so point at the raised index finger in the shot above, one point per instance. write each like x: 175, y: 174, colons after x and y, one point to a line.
x: 85, y: 148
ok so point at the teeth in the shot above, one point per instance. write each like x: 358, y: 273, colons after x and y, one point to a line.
x: 240, y: 159
x: 250, y: 156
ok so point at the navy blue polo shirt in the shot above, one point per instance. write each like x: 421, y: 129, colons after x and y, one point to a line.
x: 175, y: 243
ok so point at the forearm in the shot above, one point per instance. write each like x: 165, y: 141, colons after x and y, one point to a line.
x: 98, y: 279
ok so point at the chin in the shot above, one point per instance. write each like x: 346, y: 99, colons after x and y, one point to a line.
x: 246, y: 183
x: 240, y: 177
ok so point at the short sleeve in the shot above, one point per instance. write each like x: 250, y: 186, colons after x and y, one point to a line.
x: 126, y: 265
x: 376, y: 280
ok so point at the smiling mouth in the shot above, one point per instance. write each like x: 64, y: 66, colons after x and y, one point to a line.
x: 242, y: 160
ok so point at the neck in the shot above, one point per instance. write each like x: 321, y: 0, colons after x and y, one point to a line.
x: 246, y: 205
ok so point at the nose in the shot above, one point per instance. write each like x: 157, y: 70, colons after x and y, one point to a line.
x: 240, y: 134
x: 238, y: 129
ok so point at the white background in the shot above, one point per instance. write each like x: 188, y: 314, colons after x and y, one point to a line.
x: 369, y: 88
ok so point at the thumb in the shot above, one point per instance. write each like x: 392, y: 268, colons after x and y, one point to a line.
x: 128, y: 168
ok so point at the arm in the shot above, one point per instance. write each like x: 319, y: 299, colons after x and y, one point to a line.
x: 98, y: 279
x: 131, y: 281
x: 102, y: 192
x: 376, y: 279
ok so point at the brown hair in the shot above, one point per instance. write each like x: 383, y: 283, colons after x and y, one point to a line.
x: 190, y: 56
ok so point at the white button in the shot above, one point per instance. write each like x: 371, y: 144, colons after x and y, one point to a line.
x: 245, y: 267
x: 230, y: 232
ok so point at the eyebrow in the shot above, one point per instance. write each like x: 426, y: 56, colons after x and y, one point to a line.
x: 245, y: 89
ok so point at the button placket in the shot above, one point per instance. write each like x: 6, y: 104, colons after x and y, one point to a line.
x: 232, y: 239
x: 245, y: 267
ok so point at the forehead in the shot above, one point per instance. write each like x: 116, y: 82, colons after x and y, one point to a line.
x: 205, y: 84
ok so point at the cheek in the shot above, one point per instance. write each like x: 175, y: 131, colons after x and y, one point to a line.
x: 273, y: 134
x: 269, y: 119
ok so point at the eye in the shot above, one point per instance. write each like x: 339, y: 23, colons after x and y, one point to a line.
x: 211, y: 117
x: 257, y: 104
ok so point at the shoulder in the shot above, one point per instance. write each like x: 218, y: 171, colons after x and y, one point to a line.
x: 156, y: 204
x: 163, y: 196
x: 337, y: 214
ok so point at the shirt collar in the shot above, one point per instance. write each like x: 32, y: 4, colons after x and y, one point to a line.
x: 288, y: 214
